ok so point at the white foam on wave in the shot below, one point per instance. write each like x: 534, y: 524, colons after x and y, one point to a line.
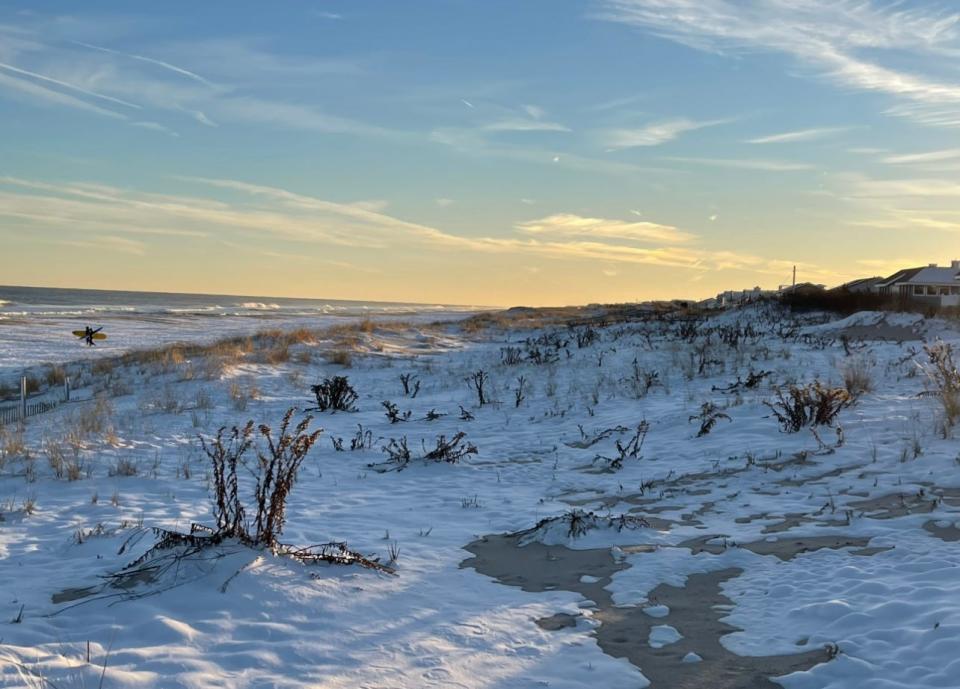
x: 196, y: 309
x: 259, y: 306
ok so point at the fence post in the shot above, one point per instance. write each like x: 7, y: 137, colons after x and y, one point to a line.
x: 23, y: 398
x: 66, y: 389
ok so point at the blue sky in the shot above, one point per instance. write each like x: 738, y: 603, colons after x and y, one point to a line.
x: 482, y: 152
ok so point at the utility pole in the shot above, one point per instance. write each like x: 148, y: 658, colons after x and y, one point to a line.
x: 794, y: 285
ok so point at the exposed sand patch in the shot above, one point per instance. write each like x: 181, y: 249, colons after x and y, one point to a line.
x: 881, y: 332
x: 624, y: 632
x: 944, y: 533
x: 783, y: 548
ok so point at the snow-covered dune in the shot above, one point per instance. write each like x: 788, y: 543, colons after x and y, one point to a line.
x: 606, y: 533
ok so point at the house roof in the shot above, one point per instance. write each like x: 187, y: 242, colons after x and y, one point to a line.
x: 900, y: 276
x: 935, y: 276
x: 861, y: 282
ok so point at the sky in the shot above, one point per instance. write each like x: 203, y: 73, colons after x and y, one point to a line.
x: 494, y: 152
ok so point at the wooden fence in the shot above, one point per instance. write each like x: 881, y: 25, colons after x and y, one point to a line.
x: 25, y: 408
x: 12, y: 414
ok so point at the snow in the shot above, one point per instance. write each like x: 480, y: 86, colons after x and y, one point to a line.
x: 662, y: 635
x: 890, y: 609
x: 657, y: 610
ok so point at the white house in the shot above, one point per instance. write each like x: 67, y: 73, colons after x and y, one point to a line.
x: 934, y: 285
x: 735, y: 297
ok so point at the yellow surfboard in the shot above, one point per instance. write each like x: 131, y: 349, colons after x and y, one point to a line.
x: 96, y: 336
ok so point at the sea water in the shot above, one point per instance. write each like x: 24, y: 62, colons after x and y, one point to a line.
x: 36, y: 323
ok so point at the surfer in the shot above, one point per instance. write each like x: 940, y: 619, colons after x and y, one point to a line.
x: 88, y: 334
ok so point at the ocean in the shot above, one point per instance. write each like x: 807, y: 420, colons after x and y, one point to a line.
x: 36, y: 323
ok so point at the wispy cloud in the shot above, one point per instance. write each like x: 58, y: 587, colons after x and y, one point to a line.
x: 655, y: 133
x: 237, y: 83
x: 926, y: 157
x: 38, y: 92
x: 525, y: 125
x: 526, y: 118
x: 615, y: 103
x: 905, y: 188
x: 472, y: 142
x: 798, y: 135
x: 111, y: 243
x: 745, y: 163
x: 852, y: 43
x: 160, y: 63
x: 66, y: 85
x: 568, y: 224
x: 100, y: 214
x: 155, y: 126
x: 916, y: 205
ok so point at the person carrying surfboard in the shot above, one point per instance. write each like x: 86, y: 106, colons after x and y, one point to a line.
x: 89, y: 335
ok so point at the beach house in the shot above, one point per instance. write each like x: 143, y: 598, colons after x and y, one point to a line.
x: 933, y: 285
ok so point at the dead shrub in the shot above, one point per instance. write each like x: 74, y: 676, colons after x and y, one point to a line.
x: 274, y: 473
x: 709, y: 415
x: 203, y: 399
x: 8, y: 391
x: 394, y: 414
x: 451, y: 451
x: 33, y: 385
x: 55, y: 376
x: 397, y: 452
x: 577, y: 523
x: 65, y: 465
x: 399, y: 456
x: 102, y: 367
x: 411, y: 384
x: 477, y: 380
x: 300, y: 336
x: 56, y: 457
x: 335, y: 394
x: 278, y: 354
x: 124, y: 466
x: 857, y: 378
x: 809, y: 405
x: 340, y: 357
x: 94, y: 418
x: 241, y: 395
x: 629, y: 450
x: 944, y: 378
x: 11, y: 444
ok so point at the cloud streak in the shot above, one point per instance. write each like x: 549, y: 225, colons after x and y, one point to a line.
x: 159, y: 95
x: 926, y: 157
x: 654, y: 134
x: 798, y: 135
x: 160, y: 63
x: 87, y: 213
x: 745, y: 163
x: 571, y: 225
x: 851, y: 43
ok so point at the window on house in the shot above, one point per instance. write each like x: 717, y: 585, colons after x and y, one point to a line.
x: 944, y: 291
x: 918, y: 290
x: 955, y: 290
x: 931, y: 291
